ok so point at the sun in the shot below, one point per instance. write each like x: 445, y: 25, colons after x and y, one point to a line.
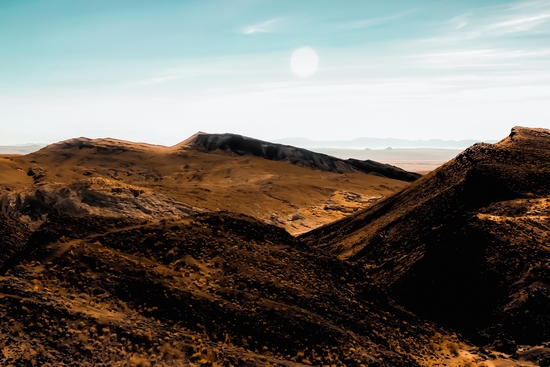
x: 304, y: 62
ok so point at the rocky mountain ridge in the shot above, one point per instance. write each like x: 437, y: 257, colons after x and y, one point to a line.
x: 242, y: 145
x: 466, y: 245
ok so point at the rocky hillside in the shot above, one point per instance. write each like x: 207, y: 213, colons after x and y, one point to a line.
x: 92, y: 196
x: 293, y: 197
x: 213, y: 289
x: 13, y: 237
x: 467, y: 245
x: 106, y: 260
x: 243, y: 145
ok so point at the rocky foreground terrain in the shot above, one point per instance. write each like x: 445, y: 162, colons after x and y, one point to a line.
x: 108, y: 260
x: 213, y: 289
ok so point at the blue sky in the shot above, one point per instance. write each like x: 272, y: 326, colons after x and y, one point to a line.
x: 160, y: 70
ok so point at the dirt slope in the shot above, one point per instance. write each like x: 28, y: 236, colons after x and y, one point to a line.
x: 214, y: 290
x: 295, y: 198
x: 467, y: 245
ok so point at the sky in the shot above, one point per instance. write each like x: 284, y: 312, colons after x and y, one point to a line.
x: 160, y: 70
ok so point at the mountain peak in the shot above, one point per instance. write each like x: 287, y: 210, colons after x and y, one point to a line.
x: 189, y: 141
x: 243, y: 145
x: 471, y: 230
x: 104, y: 145
x: 528, y: 137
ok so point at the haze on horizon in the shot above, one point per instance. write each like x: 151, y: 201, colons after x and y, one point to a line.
x: 159, y: 71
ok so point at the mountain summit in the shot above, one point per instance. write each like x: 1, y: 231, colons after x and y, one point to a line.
x: 466, y: 245
x: 242, y: 145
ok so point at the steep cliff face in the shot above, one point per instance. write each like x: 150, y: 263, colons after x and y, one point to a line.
x: 466, y: 245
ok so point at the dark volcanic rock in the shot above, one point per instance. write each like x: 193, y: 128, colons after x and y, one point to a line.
x: 243, y: 145
x: 540, y: 356
x: 466, y: 245
x: 385, y: 170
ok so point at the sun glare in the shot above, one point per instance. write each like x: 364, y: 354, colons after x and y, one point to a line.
x: 304, y: 62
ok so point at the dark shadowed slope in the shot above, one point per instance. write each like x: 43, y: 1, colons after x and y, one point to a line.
x: 243, y: 145
x: 467, y: 245
x: 385, y: 170
x: 13, y: 237
x: 210, y: 290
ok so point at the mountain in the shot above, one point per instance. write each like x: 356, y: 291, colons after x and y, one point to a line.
x: 466, y: 245
x: 210, y: 289
x: 106, y: 260
x: 242, y: 145
x: 421, y: 160
x: 20, y: 149
x: 380, y: 143
x: 288, y: 195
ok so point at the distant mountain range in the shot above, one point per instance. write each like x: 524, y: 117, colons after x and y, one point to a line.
x: 20, y: 148
x: 359, y: 143
x: 378, y: 143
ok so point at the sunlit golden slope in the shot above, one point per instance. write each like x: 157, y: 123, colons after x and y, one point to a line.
x: 278, y: 192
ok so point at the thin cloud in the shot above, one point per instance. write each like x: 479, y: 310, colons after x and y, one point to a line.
x: 522, y: 23
x: 515, y: 25
x: 528, y: 4
x: 176, y: 74
x: 371, y: 22
x: 486, y: 53
x: 460, y: 21
x: 483, y: 58
x: 265, y: 27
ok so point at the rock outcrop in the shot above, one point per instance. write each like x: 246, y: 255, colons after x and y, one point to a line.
x: 93, y: 196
